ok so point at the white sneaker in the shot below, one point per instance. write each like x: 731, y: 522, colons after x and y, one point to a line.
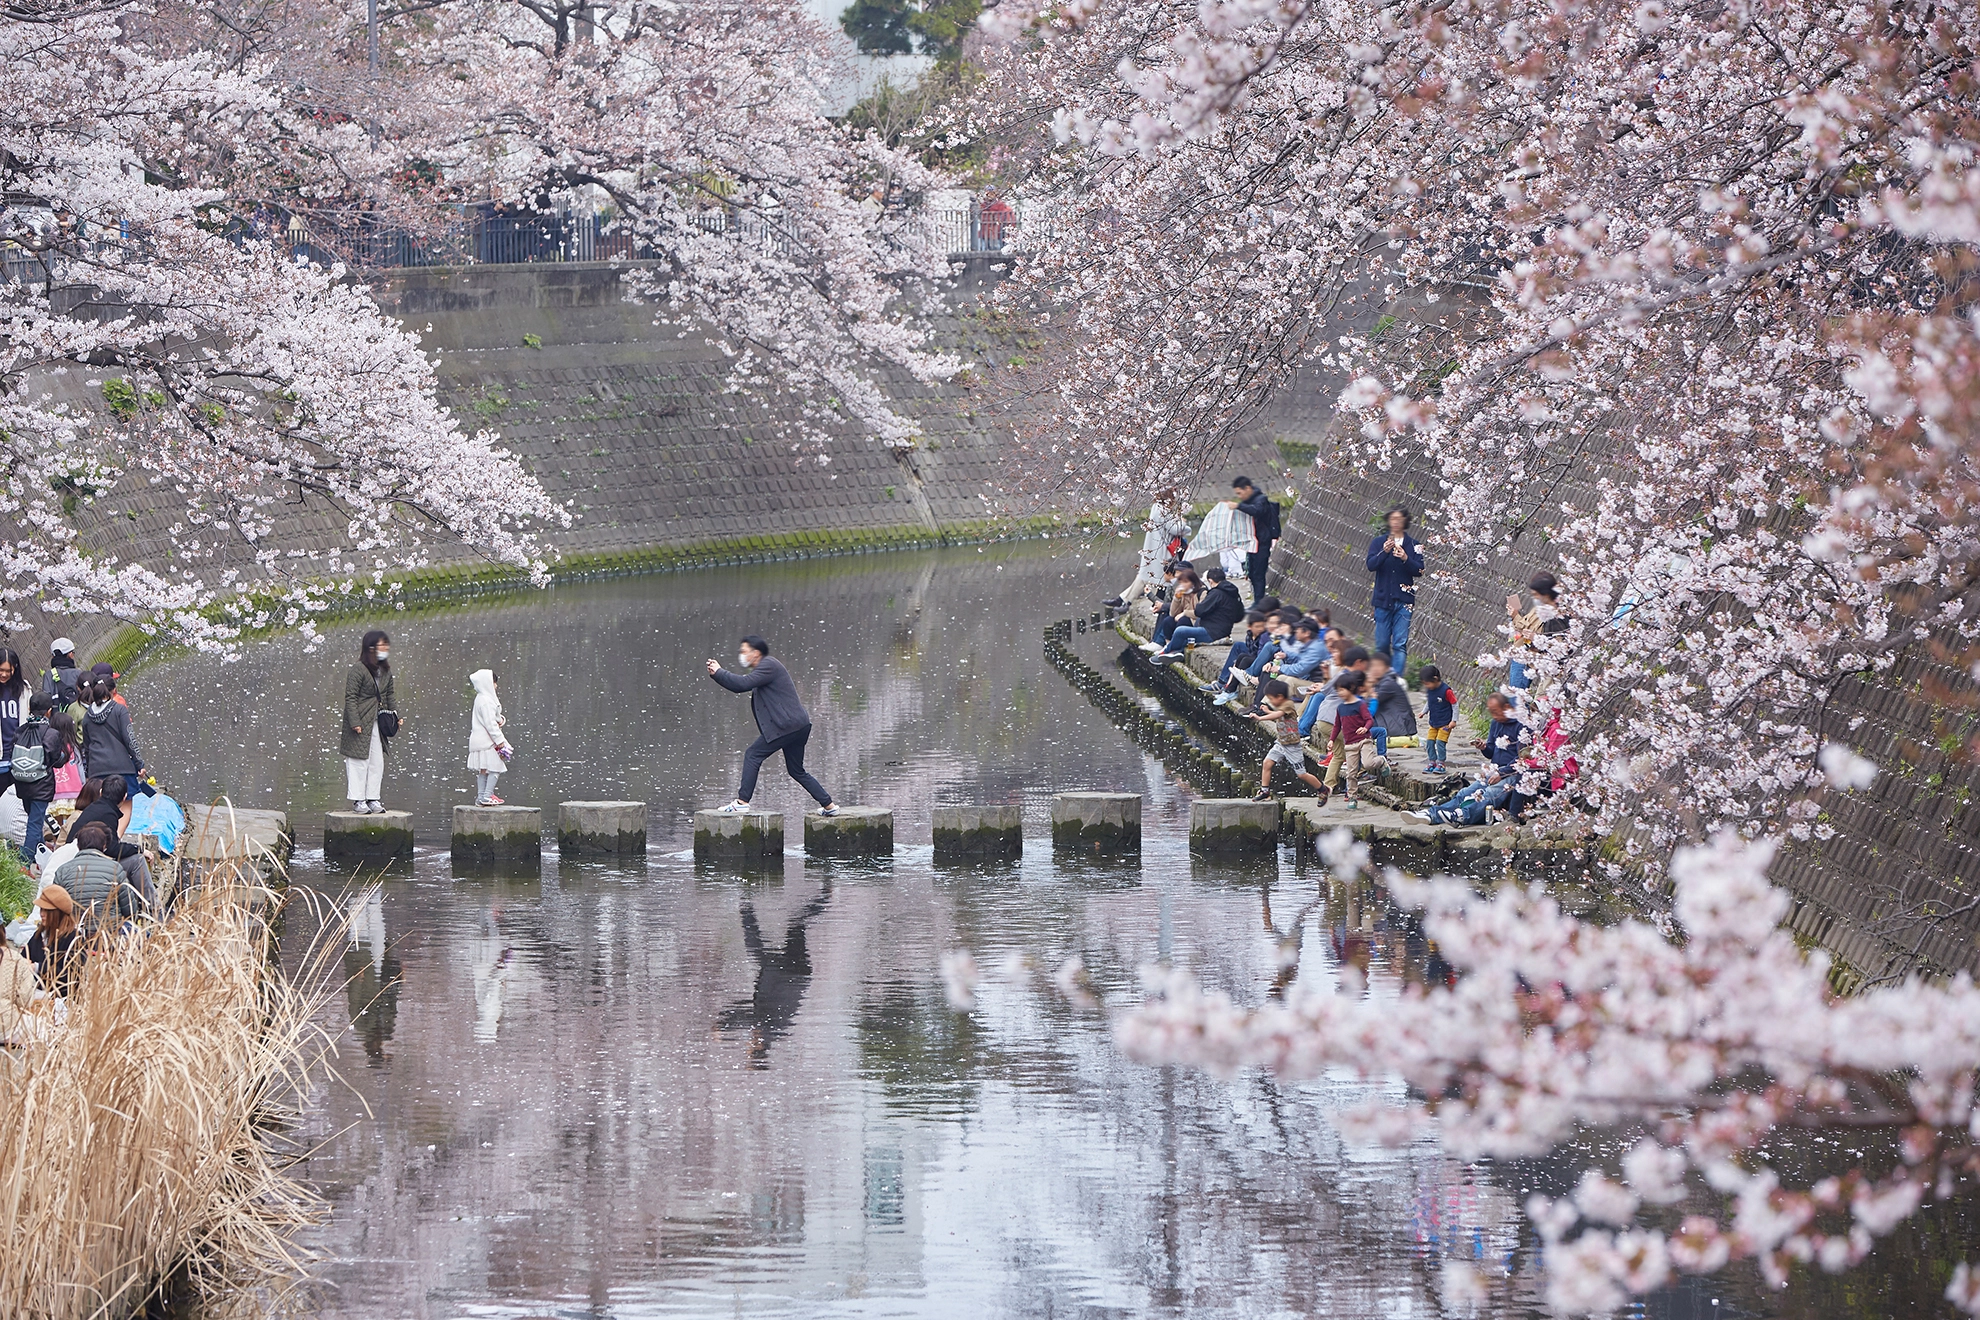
x: 361, y: 808
x: 1420, y: 815
x: 377, y: 807
x: 736, y: 808
x: 1151, y: 647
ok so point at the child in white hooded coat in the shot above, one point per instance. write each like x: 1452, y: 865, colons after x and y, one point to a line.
x: 488, y: 750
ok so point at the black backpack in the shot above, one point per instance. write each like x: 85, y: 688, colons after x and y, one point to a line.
x: 62, y: 689
x: 30, y: 757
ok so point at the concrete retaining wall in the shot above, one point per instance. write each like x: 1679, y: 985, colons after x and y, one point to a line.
x: 629, y: 421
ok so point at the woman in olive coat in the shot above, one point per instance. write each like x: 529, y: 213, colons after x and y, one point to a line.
x: 367, y: 690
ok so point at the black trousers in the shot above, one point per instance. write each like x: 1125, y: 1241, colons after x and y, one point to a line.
x: 1255, y: 565
x: 792, y: 746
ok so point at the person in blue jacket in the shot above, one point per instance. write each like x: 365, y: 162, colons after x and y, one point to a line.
x: 1395, y: 558
x: 782, y: 724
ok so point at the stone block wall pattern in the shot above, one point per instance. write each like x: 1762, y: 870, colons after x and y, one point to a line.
x: 1906, y: 845
x: 630, y: 423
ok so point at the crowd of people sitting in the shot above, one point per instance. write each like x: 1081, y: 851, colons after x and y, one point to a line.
x: 69, y: 758
x: 1304, y: 678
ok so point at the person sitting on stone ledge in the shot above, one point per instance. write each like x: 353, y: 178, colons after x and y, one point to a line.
x: 110, y: 806
x: 1394, y: 716
x: 1256, y: 632
x: 96, y: 882
x: 1493, y: 788
x: 54, y: 938
x: 1213, y: 615
x: 1183, y: 591
x: 1302, y: 664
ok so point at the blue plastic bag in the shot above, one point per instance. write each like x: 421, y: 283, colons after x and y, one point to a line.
x: 158, y: 815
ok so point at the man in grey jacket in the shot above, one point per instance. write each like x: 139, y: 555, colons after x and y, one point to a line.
x: 781, y: 722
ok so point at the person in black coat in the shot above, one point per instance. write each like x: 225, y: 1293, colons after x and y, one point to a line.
x: 1212, y: 617
x: 1264, y: 513
x: 782, y: 725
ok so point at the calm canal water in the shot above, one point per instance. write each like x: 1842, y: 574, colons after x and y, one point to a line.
x: 663, y: 1089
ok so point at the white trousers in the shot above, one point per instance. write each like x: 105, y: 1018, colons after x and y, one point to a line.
x: 363, y: 779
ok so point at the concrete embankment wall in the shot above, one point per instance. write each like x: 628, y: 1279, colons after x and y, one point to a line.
x: 632, y: 423
x: 1904, y: 849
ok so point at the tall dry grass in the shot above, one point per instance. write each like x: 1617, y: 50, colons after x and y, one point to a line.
x: 137, y: 1149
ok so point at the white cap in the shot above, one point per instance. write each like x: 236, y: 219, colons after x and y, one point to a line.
x: 63, y: 644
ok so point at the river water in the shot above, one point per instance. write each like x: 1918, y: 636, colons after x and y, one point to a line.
x: 667, y: 1089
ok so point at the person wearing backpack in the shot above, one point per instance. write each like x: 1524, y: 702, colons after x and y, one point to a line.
x: 64, y: 674
x: 108, y: 746
x: 43, y: 746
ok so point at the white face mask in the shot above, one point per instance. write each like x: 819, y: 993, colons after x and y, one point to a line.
x: 384, y: 655
x: 742, y: 658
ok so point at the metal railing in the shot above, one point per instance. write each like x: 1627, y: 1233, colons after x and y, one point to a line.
x: 485, y: 238
x: 489, y: 236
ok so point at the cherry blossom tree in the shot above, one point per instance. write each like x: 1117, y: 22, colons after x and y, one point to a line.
x: 1683, y: 287
x: 1686, y: 288
x: 704, y: 129
x: 1713, y: 1056
x: 147, y: 343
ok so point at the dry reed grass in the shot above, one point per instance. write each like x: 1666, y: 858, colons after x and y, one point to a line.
x: 137, y: 1147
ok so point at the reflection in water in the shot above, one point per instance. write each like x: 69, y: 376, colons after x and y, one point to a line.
x: 371, y: 976
x: 781, y: 977
x: 594, y: 1094
x: 492, y: 957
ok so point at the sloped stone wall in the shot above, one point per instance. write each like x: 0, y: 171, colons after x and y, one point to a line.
x: 1905, y: 847
x: 631, y: 422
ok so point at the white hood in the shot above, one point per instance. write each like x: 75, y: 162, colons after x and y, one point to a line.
x: 483, y: 681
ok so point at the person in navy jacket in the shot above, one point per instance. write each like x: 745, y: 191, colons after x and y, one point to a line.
x: 1395, y: 558
x: 782, y: 724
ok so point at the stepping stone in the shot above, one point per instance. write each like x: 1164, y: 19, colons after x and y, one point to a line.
x: 972, y: 833
x: 1232, y: 826
x: 224, y: 833
x: 1097, y: 822
x: 854, y: 832
x: 609, y: 829
x: 486, y: 836
x: 747, y: 836
x: 363, y: 840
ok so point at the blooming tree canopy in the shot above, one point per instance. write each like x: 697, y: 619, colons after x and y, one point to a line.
x: 1718, y: 1051
x: 158, y: 157
x: 1684, y: 287
x: 141, y: 334
x: 704, y: 128
x: 1688, y: 289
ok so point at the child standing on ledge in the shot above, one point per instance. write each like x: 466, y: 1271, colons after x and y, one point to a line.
x: 1440, y: 713
x: 488, y: 749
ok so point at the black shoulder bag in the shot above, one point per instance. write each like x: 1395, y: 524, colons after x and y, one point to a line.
x: 388, y: 719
